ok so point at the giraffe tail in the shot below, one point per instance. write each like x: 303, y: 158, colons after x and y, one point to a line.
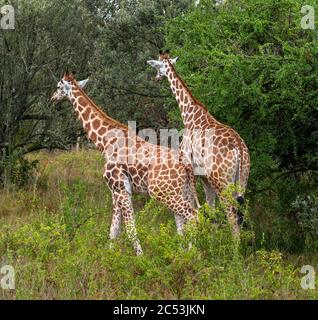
x: 240, y: 193
x: 239, y: 179
x: 240, y: 200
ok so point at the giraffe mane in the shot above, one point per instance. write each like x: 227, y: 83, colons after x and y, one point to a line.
x: 198, y: 102
x: 99, y: 111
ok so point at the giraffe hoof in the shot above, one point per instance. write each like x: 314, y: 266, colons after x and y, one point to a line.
x: 110, y: 246
x: 240, y: 218
x: 240, y: 200
x: 139, y: 252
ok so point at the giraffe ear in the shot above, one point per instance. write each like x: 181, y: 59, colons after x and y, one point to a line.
x: 174, y: 60
x: 83, y: 83
x: 155, y: 63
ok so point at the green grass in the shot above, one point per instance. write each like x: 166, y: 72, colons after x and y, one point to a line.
x: 55, y: 234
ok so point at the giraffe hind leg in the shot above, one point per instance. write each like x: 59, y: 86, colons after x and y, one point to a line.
x: 125, y: 206
x: 232, y: 215
x: 179, y: 223
x: 183, y: 210
x: 210, y: 193
x: 190, y: 192
x: 115, y: 225
x: 121, y: 190
x: 116, y: 219
x: 240, y: 214
x: 234, y: 218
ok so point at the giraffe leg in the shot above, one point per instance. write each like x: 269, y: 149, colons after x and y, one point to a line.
x: 210, y: 193
x: 221, y: 179
x: 125, y: 205
x: 115, y: 226
x: 232, y: 215
x: 179, y: 223
x: 190, y: 186
x: 169, y: 189
x: 190, y: 189
x: 116, y: 220
x: 182, y: 219
x: 231, y: 212
x: 182, y: 210
x: 120, y: 186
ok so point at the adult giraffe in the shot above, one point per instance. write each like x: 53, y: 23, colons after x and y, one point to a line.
x: 132, y: 164
x: 209, y: 144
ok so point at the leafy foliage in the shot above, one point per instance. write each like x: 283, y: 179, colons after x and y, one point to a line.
x: 50, y: 264
x: 130, y: 33
x: 256, y: 70
x: 33, y: 57
x: 109, y: 41
x: 306, y: 209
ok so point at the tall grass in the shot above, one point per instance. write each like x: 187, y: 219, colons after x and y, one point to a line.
x: 55, y: 235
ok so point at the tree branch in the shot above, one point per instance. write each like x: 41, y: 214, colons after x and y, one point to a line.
x: 33, y: 117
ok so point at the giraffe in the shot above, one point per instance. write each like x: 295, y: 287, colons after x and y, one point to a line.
x: 131, y: 164
x: 208, y: 143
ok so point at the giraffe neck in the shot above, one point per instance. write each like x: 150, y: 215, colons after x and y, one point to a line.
x: 193, y: 112
x: 95, y: 122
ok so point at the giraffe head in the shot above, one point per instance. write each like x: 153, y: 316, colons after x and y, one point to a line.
x: 162, y: 64
x: 64, y: 86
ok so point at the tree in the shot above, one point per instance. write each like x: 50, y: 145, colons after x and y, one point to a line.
x: 132, y: 32
x: 49, y: 37
x: 255, y: 68
x: 108, y: 40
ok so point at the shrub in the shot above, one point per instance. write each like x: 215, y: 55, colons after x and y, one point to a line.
x: 306, y: 210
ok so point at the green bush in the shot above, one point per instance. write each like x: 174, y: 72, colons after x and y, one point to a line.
x: 255, y: 69
x: 306, y: 210
x: 57, y: 239
x: 16, y: 170
x: 51, y: 265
